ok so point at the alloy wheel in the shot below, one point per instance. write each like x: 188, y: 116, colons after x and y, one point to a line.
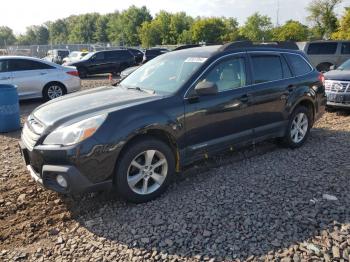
x: 299, y: 127
x: 147, y: 172
x: 54, y: 91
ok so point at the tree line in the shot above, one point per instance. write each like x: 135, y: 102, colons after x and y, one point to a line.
x: 135, y: 26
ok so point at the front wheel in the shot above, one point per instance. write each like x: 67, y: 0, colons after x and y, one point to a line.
x: 144, y: 170
x: 298, y: 127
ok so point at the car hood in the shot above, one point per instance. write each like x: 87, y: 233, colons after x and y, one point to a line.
x: 90, y: 102
x: 340, y: 75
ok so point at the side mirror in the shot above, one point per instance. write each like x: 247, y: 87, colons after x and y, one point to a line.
x: 204, y: 88
x: 333, y: 67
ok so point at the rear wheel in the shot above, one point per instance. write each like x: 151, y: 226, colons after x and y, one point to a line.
x: 53, y: 90
x: 144, y: 170
x: 298, y: 127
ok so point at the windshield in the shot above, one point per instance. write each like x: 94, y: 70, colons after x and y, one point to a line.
x: 345, y: 65
x: 164, y: 74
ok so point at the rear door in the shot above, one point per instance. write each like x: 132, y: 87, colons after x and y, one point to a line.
x: 97, y: 63
x: 5, y: 74
x: 29, y: 76
x: 323, y: 52
x: 344, y: 52
x: 271, y: 81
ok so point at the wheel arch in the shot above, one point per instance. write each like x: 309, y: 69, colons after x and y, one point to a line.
x: 309, y: 104
x: 329, y: 64
x: 56, y: 83
x: 159, y: 134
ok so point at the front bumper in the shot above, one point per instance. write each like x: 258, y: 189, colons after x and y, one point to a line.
x: 76, y: 182
x: 335, y: 99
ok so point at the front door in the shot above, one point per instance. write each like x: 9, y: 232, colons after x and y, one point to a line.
x: 215, y: 122
x: 5, y: 75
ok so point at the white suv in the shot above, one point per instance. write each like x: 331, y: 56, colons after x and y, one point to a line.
x: 36, y: 78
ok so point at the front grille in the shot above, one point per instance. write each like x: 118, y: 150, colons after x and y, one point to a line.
x: 31, y: 132
x: 337, y: 86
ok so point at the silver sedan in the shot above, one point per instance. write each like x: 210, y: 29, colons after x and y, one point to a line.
x: 36, y: 78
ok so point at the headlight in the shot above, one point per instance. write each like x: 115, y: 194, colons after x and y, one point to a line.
x: 75, y: 133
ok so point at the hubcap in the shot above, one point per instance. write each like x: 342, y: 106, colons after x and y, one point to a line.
x: 147, y: 172
x: 54, y: 92
x: 299, y: 127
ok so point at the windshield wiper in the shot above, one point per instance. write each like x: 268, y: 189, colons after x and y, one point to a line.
x: 149, y: 91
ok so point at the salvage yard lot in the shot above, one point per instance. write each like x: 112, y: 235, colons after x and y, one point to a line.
x: 260, y: 203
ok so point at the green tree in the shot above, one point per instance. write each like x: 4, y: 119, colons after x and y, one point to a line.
x: 257, y: 28
x: 209, y: 30
x: 150, y: 34
x: 58, y: 31
x: 84, y: 28
x: 101, y: 34
x: 6, y: 36
x: 344, y: 26
x: 231, y: 30
x: 291, y: 31
x: 323, y: 17
x: 180, y: 23
x: 124, y: 27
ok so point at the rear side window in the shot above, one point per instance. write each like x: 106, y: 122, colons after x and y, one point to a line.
x: 345, y: 48
x: 266, y: 68
x: 25, y: 65
x: 3, y: 66
x: 298, y: 64
x: 119, y: 54
x: 322, y: 48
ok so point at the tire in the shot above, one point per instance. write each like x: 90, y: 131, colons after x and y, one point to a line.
x: 136, y: 168
x: 83, y: 73
x: 54, y: 90
x: 295, y: 137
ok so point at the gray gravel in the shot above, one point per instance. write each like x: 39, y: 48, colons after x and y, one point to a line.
x: 258, y: 204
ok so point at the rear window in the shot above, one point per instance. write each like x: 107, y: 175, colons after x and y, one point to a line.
x: 266, y: 68
x: 121, y: 54
x: 298, y: 64
x: 345, y: 48
x: 322, y: 48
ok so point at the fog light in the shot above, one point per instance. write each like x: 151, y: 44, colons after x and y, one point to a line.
x: 61, y: 181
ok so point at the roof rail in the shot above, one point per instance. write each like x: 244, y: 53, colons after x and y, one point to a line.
x: 274, y: 44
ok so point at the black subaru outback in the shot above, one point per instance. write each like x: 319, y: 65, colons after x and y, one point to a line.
x: 176, y: 109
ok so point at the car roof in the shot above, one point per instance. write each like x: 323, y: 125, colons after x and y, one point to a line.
x: 30, y: 58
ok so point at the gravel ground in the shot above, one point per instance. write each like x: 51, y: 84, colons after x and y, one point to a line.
x: 263, y: 203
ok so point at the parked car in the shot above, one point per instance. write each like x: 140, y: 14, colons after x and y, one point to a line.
x: 56, y: 55
x: 109, y: 61
x: 130, y: 70
x: 324, y: 54
x: 138, y: 54
x: 73, y: 57
x: 36, y: 78
x: 152, y: 53
x: 337, y: 83
x: 178, y: 108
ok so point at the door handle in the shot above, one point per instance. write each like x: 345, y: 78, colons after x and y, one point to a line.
x: 43, y: 74
x: 244, y: 98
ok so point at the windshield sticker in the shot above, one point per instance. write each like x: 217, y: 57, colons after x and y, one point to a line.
x: 196, y: 60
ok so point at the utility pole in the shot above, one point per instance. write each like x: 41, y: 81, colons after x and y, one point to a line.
x: 278, y: 13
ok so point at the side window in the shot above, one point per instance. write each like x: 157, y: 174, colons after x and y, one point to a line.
x: 112, y: 54
x: 100, y: 56
x: 229, y: 74
x: 286, y: 70
x: 25, y: 65
x: 298, y: 64
x: 266, y: 68
x: 345, y: 48
x: 3, y: 66
x: 322, y: 48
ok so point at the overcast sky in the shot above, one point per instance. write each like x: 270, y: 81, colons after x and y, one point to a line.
x: 20, y: 14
